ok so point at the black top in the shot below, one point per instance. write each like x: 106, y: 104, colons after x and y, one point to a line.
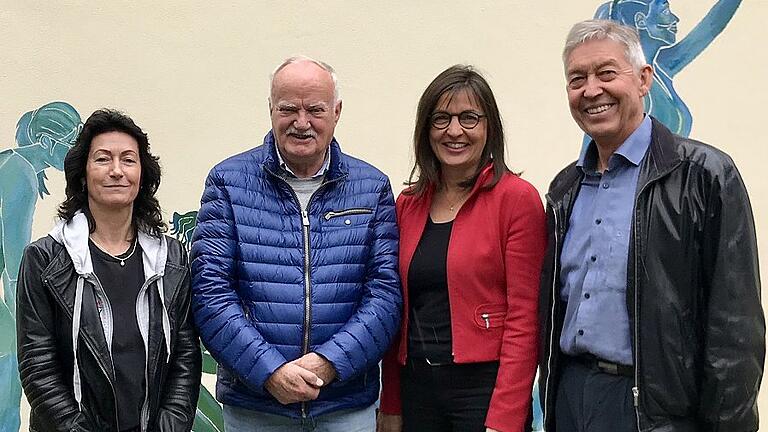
x: 122, y: 285
x: 429, y: 324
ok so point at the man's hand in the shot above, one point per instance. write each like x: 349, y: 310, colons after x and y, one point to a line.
x: 291, y: 383
x: 389, y: 422
x: 318, y: 365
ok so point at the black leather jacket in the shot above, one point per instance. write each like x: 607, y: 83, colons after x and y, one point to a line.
x: 45, y: 303
x: 693, y: 291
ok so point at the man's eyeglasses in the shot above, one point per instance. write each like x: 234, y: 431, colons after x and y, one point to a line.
x: 467, y: 119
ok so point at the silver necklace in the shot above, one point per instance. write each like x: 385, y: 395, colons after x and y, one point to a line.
x: 122, y: 260
x: 458, y: 201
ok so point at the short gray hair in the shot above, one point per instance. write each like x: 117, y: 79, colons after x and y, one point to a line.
x: 302, y: 58
x: 599, y: 29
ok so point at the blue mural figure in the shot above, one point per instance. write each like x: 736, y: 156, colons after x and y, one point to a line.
x: 657, y: 26
x: 43, y: 137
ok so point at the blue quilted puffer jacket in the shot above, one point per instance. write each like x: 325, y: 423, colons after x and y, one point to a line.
x: 259, y: 304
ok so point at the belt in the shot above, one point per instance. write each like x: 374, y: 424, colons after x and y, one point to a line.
x: 603, y: 365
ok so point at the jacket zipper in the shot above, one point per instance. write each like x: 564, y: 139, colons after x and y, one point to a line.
x: 145, y: 405
x: 307, y: 285
x: 636, y: 308
x: 108, y: 307
x: 307, y: 281
x: 333, y: 214
x: 636, y: 388
x: 556, y: 255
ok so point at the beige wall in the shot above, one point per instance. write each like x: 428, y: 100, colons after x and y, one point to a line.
x: 194, y: 75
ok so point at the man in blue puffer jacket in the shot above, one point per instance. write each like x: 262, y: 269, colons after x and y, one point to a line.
x: 294, y: 269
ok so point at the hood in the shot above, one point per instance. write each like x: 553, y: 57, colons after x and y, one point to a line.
x: 73, y: 235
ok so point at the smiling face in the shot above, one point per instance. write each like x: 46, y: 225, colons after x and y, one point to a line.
x: 661, y: 23
x: 457, y: 148
x: 113, y: 171
x: 304, y: 115
x: 605, y: 93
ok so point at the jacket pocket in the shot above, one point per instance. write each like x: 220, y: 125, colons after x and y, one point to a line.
x: 327, y: 216
x: 488, y: 316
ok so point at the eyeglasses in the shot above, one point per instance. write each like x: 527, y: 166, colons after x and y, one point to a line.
x: 467, y: 119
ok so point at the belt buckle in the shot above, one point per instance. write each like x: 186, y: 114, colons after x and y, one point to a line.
x: 607, y: 367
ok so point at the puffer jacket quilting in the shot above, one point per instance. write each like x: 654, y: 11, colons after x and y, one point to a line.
x: 248, y: 278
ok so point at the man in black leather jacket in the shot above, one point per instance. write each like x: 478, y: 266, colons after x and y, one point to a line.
x: 695, y: 337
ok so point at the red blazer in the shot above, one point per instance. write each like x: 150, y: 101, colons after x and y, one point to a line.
x: 494, y: 263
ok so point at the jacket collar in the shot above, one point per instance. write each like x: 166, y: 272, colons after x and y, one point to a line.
x: 662, y: 157
x: 485, y: 177
x: 336, y: 167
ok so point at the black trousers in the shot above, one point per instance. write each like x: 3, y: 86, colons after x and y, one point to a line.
x: 448, y: 398
x: 589, y: 400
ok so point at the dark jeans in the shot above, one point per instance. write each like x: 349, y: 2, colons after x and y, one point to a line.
x: 448, y: 398
x: 589, y: 400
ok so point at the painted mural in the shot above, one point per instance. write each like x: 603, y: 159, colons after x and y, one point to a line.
x: 209, y: 416
x: 669, y: 55
x: 43, y: 137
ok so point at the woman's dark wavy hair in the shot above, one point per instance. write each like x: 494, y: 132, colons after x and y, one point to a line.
x: 427, y: 167
x: 147, y: 215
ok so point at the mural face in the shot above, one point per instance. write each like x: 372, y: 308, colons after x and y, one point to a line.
x: 43, y: 137
x: 661, y: 23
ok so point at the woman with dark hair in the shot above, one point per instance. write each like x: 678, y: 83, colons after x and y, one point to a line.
x: 105, y: 335
x: 472, y: 240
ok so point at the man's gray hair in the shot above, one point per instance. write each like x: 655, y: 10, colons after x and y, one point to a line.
x: 598, y: 29
x: 302, y: 58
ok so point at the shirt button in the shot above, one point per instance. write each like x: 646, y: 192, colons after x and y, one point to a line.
x: 598, y: 221
x: 586, y: 295
x: 605, y: 185
x: 581, y: 332
x: 593, y: 258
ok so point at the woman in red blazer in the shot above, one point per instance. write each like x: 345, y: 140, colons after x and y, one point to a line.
x: 472, y: 238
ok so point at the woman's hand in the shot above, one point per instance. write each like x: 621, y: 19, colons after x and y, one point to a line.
x: 389, y: 422
x: 490, y: 430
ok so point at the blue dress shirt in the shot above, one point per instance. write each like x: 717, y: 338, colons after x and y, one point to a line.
x: 593, y: 272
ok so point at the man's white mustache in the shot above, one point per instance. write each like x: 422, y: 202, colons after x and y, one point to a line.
x: 293, y: 130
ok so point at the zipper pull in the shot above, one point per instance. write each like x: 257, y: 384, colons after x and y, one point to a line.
x: 487, y: 320
x: 305, y: 218
x: 635, y: 395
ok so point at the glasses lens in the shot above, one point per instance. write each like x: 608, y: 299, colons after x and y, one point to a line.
x: 441, y: 120
x: 468, y: 119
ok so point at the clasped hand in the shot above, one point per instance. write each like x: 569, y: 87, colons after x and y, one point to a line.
x: 301, y: 379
